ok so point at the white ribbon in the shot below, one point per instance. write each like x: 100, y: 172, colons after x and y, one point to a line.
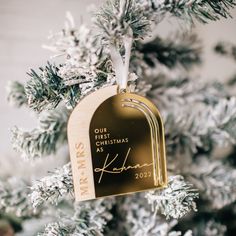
x: 122, y: 67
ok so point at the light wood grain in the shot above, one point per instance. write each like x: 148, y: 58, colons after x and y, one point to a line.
x: 78, y: 134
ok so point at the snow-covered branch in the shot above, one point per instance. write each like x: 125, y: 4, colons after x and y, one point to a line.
x: 174, y: 201
x: 14, y: 198
x: 45, y: 139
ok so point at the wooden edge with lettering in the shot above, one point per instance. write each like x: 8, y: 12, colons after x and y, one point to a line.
x: 79, y: 142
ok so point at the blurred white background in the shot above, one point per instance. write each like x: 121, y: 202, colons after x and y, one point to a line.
x: 24, y: 28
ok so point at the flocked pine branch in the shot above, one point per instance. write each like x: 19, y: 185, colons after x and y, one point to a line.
x: 89, y: 219
x: 202, y: 129
x: 174, y: 201
x: 188, y: 10
x: 79, y: 46
x: 136, y: 216
x: 169, y: 90
x: 14, y: 198
x: 44, y: 140
x: 47, y: 89
x: 183, y: 50
x: 44, y: 89
x: 52, y: 188
x: 75, y: 45
x: 57, y: 228
x: 215, y: 181
x: 16, y: 94
x: 117, y: 17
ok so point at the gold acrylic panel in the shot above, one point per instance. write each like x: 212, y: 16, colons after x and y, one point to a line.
x: 127, y: 146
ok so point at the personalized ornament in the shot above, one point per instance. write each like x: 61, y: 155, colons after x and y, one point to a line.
x: 116, y: 141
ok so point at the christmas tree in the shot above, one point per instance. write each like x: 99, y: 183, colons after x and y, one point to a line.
x: 199, y: 117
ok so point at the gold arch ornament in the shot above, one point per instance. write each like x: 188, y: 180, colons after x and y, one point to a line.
x: 117, y: 145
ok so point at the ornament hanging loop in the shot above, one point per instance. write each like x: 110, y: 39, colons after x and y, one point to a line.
x: 121, y: 66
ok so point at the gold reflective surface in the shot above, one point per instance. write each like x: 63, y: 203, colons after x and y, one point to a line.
x: 127, y: 146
